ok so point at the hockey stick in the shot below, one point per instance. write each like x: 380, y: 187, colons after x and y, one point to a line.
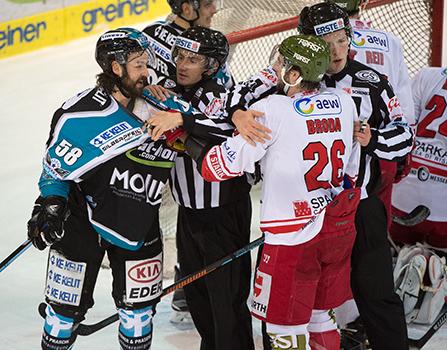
x: 87, y: 329
x: 416, y: 216
x: 15, y: 254
x: 442, y: 318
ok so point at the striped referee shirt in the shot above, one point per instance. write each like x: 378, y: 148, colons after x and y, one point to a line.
x: 392, y: 137
x: 216, y: 103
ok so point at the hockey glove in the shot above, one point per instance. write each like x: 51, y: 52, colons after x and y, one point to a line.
x: 173, y: 139
x: 46, y: 225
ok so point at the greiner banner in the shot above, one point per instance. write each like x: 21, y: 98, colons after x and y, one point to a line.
x: 72, y: 22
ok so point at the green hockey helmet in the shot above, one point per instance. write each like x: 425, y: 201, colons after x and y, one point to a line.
x: 309, y: 53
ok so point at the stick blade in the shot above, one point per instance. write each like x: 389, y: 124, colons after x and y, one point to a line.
x: 415, y: 217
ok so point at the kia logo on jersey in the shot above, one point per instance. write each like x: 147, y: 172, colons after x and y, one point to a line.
x: 321, y: 104
x: 146, y: 271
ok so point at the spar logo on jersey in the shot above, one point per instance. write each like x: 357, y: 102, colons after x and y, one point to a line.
x: 329, y: 27
x: 322, y: 104
x: 370, y: 40
x: 187, y: 44
x: 444, y: 72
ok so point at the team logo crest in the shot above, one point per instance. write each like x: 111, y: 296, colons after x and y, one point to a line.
x: 368, y: 75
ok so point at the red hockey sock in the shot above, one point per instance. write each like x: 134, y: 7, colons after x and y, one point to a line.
x: 329, y: 340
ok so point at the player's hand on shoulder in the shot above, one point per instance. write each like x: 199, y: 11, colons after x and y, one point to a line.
x: 46, y: 225
x: 159, y: 92
x: 251, y: 130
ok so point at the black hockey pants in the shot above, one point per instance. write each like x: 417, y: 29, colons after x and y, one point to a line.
x: 372, y: 283
x: 218, y: 301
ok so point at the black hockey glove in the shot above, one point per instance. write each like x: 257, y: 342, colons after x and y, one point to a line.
x: 46, y: 225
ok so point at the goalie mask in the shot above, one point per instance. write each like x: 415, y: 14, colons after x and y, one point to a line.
x: 206, y: 44
x: 324, y: 18
x: 307, y: 52
x: 116, y: 45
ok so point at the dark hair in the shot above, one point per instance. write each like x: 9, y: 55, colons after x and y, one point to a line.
x: 107, y: 81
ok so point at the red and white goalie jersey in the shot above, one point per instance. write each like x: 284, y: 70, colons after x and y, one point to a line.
x: 383, y: 52
x: 427, y: 182
x: 303, y: 165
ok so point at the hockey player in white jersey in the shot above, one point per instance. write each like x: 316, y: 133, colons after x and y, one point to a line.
x: 380, y: 50
x: 306, y: 216
x: 427, y: 181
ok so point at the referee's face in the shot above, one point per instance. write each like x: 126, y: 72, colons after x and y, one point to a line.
x: 339, y: 44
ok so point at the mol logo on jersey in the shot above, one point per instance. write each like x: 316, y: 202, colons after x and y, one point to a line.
x: 322, y: 104
x: 370, y: 40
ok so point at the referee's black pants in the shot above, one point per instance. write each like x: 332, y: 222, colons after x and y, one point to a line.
x: 380, y: 308
x: 218, y: 301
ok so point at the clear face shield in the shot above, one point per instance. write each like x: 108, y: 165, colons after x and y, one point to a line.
x: 188, y: 58
x: 281, y: 66
x: 144, y: 57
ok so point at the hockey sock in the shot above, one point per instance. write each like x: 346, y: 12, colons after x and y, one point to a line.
x: 135, y: 330
x: 323, y: 331
x: 58, y: 331
x: 288, y: 337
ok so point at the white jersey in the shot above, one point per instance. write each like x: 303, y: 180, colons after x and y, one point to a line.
x: 427, y: 182
x: 383, y: 52
x: 303, y: 165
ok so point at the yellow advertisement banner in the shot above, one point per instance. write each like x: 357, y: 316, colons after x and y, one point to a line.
x: 58, y: 26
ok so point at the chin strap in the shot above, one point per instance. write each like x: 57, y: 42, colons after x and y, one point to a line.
x: 191, y: 21
x: 287, y: 85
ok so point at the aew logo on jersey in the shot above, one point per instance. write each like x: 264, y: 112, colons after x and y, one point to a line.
x: 370, y: 40
x: 144, y: 279
x: 187, y: 44
x: 321, y: 104
x: 329, y: 27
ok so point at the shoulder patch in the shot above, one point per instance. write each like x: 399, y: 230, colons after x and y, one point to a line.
x: 368, y: 75
x: 169, y: 84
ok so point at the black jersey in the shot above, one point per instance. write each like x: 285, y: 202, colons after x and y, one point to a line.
x: 392, y: 137
x: 214, y: 125
x: 161, y: 36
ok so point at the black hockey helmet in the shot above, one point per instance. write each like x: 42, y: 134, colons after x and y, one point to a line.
x: 176, y: 5
x: 116, y: 45
x: 203, y: 41
x: 323, y: 18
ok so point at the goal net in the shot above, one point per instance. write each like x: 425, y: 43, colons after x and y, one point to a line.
x: 253, y: 27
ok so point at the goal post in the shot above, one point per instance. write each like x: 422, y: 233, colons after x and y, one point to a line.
x: 253, y: 27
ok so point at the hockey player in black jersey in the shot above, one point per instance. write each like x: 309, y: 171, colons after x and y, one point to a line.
x: 162, y: 35
x: 101, y: 166
x: 387, y: 136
